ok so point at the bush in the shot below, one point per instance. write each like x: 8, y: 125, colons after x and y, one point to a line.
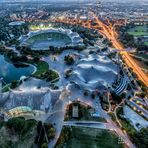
x: 39, y: 126
x: 141, y: 138
x: 142, y: 95
x: 86, y: 93
x: 44, y: 145
x: 69, y: 60
x: 116, y: 98
x: 14, y: 84
x: 19, y: 125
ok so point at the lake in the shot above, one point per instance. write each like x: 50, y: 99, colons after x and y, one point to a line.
x: 9, y: 72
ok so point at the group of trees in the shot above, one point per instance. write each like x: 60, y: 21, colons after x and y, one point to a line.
x: 14, y: 84
x: 89, y: 36
x: 93, y: 94
x: 141, y: 138
x: 142, y: 85
x: 117, y: 98
x: 10, y: 34
x: 56, y: 50
x: 26, y: 50
x: 128, y: 40
x: 17, y: 132
x: 69, y: 59
x: 45, y: 132
x: 19, y: 125
x: 65, y: 136
x: 104, y: 102
x: 4, y: 31
x: 11, y: 56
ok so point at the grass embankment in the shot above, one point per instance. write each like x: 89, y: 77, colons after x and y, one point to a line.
x: 78, y: 137
x: 43, y: 71
x: 41, y: 67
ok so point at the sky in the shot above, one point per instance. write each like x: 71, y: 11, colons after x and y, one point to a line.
x: 69, y: 0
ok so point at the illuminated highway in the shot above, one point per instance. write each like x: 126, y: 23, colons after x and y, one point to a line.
x: 110, y: 33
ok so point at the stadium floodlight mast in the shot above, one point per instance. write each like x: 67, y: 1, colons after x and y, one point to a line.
x: 1, y: 88
x: 41, y: 26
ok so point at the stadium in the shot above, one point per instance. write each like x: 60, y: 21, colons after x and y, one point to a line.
x: 42, y: 39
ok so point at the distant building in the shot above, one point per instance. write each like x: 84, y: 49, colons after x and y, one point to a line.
x: 17, y: 23
x: 75, y: 111
x: 84, y: 18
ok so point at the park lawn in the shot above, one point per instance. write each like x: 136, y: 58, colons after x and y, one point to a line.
x: 92, y: 138
x: 42, y: 67
x: 146, y: 43
x: 138, y: 31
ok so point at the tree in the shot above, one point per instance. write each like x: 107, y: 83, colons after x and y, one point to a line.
x: 93, y: 96
x: 86, y: 93
x: 14, y: 84
x: 140, y: 83
x: 51, y: 133
x: 16, y: 124
x: 141, y: 138
x: 123, y: 95
x: 51, y: 48
x: 142, y: 95
x: 36, y: 59
x: 44, y: 145
x: 69, y: 59
x: 116, y: 97
x: 39, y: 126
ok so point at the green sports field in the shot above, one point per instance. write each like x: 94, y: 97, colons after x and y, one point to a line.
x: 81, y: 137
